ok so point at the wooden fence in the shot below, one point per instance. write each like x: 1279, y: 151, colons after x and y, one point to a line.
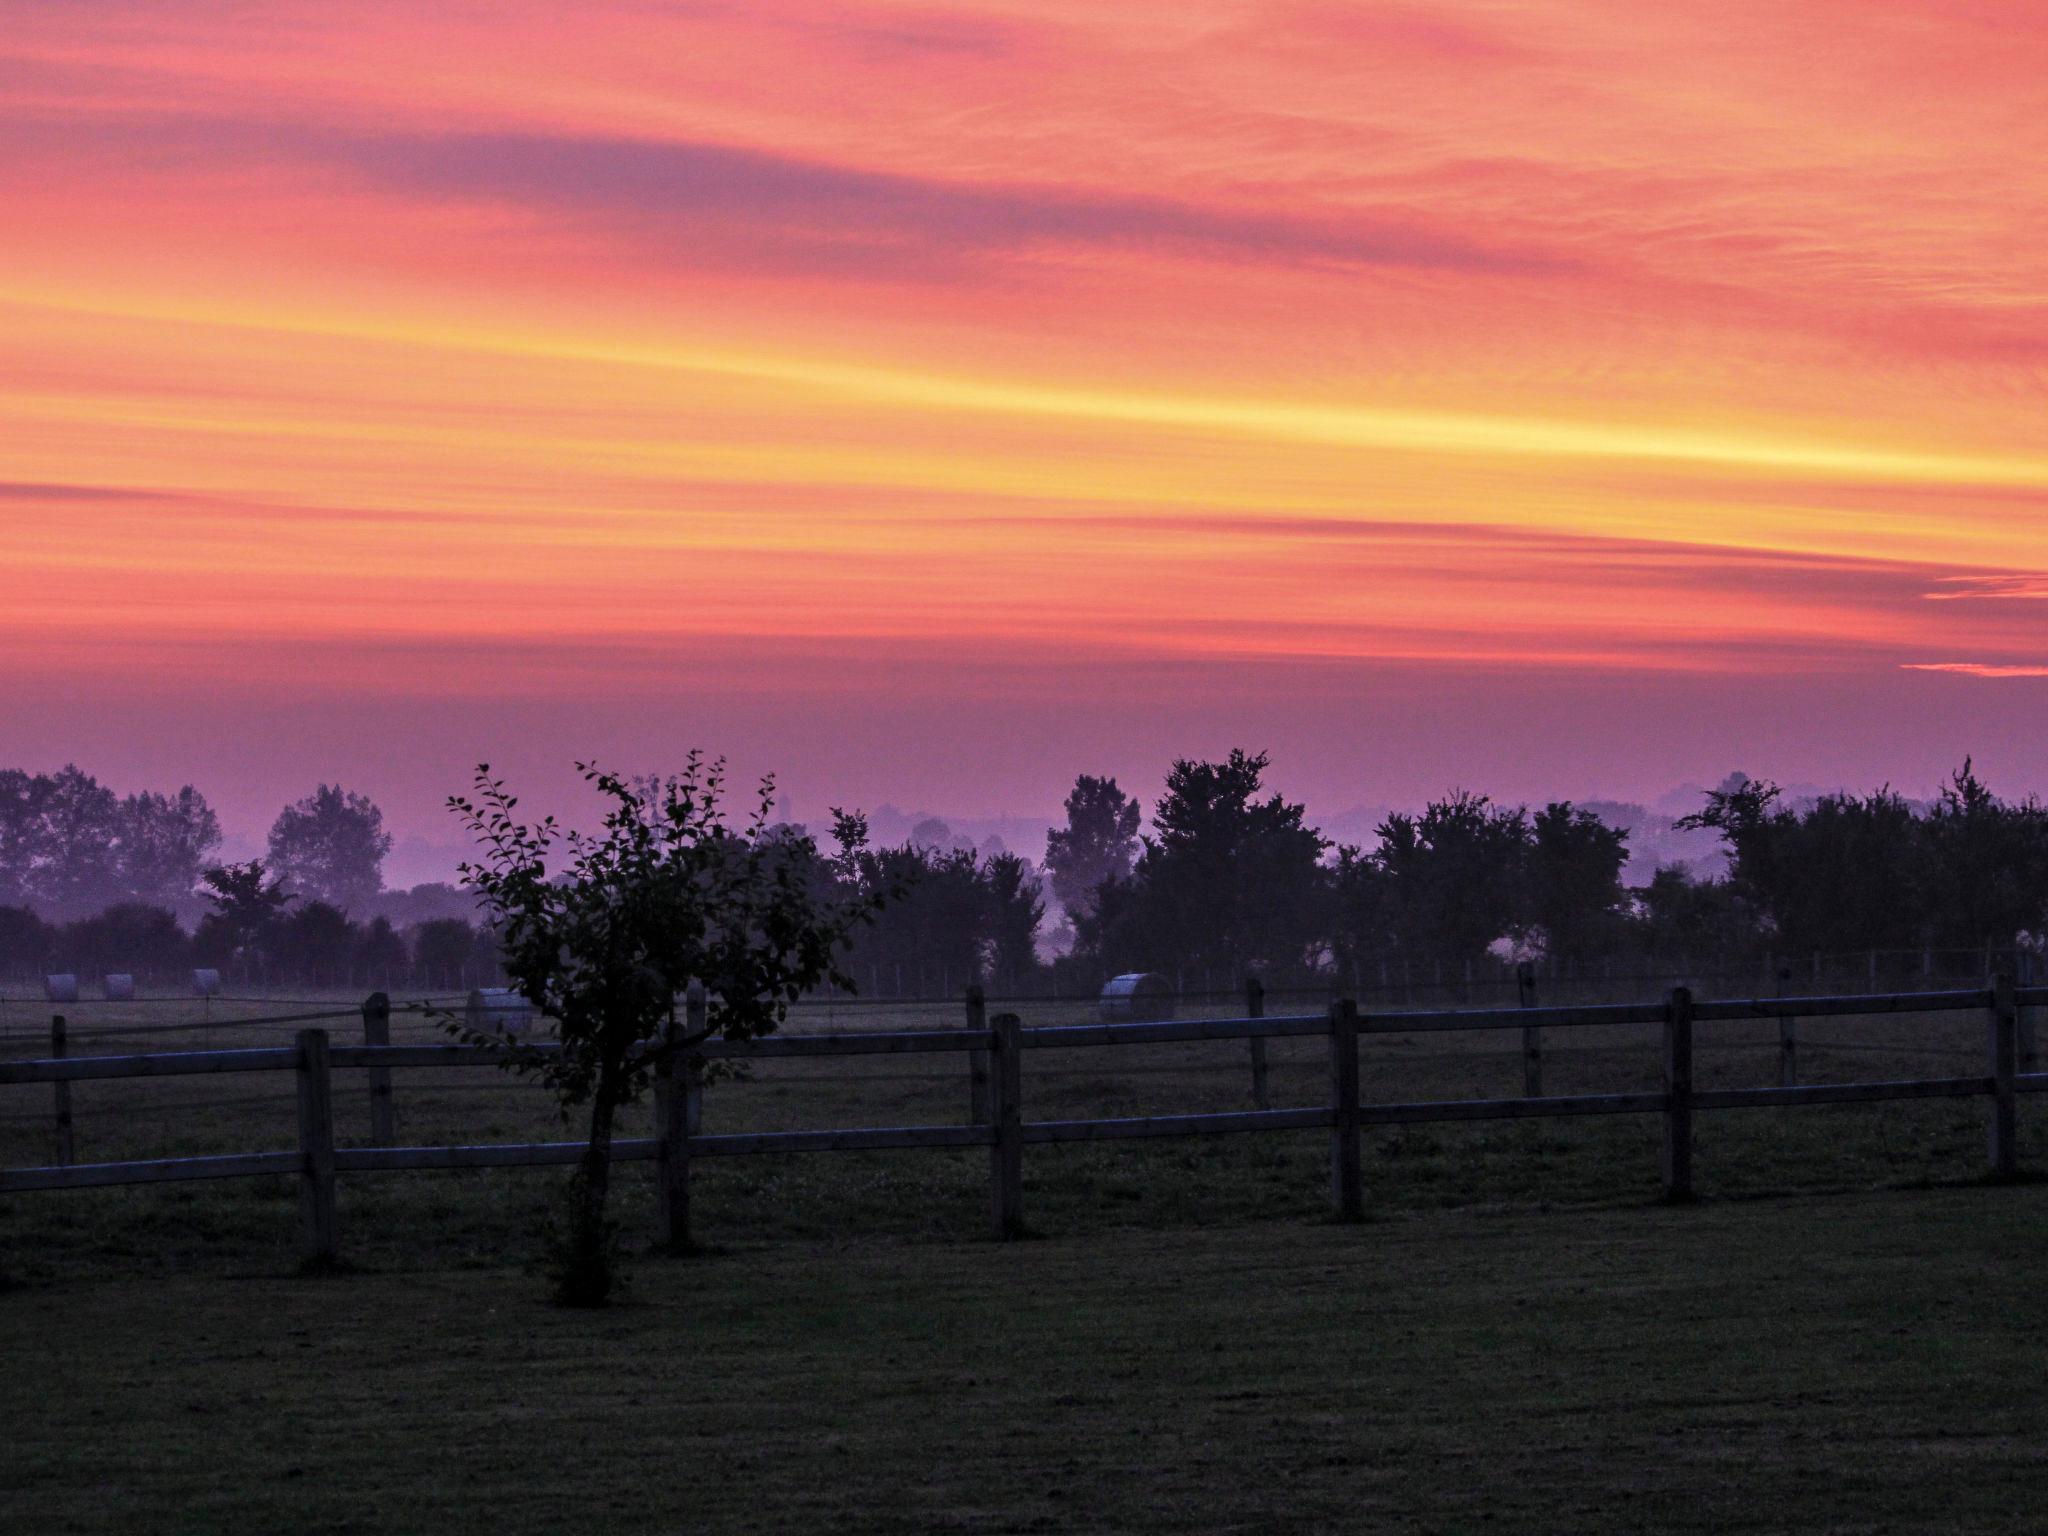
x: 995, y: 1047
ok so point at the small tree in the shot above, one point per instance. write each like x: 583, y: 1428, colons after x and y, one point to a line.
x: 247, y: 909
x: 664, y: 894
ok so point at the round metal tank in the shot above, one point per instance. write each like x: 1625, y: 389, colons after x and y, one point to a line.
x: 61, y: 989
x: 1137, y: 997
x: 206, y: 983
x: 118, y: 988
x: 499, y: 1011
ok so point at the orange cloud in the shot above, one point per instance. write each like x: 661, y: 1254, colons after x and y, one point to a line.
x: 1569, y: 336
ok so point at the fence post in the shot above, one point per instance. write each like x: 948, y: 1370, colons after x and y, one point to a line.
x: 977, y: 1058
x: 1788, y: 1036
x: 1255, y: 1008
x: 1347, y: 1177
x: 1006, y: 1152
x: 60, y: 1094
x: 1678, y: 1094
x: 2005, y: 1161
x: 316, y: 1150
x: 1532, y: 1036
x: 377, y: 1031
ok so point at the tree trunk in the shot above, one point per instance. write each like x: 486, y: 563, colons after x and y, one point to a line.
x: 586, y: 1278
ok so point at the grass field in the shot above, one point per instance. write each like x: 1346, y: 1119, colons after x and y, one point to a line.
x: 1846, y: 1336
x: 1870, y: 1362
x: 433, y: 1220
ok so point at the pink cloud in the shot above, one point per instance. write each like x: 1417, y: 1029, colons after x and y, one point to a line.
x: 1967, y: 588
x: 1975, y: 668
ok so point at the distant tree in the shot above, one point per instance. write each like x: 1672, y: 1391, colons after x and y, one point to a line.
x: 129, y: 936
x: 26, y: 943
x: 1678, y: 917
x: 165, y: 841
x: 330, y: 847
x: 381, y: 952
x: 1454, y: 876
x: 486, y: 956
x: 1015, y: 909
x: 1098, y: 843
x: 1848, y: 872
x: 1986, y: 865
x: 1228, y: 882
x: 1362, y: 930
x: 1573, y: 891
x: 316, y: 944
x: 441, y: 949
x: 60, y: 843
x: 70, y: 847
x: 247, y: 907
x: 931, y: 924
x: 933, y: 835
x: 410, y: 908
x: 602, y: 944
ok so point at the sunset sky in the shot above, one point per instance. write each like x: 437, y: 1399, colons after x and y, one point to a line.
x: 930, y: 402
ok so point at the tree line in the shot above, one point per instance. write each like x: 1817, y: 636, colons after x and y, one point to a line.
x: 93, y: 882
x: 1224, y: 878
x: 1232, y: 879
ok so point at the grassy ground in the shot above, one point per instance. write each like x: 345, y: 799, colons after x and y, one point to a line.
x: 1868, y: 1362
x: 435, y: 1220
x: 1846, y: 1336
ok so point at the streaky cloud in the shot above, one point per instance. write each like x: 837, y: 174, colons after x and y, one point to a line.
x: 1976, y: 668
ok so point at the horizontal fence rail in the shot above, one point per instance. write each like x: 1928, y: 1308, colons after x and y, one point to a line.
x: 995, y: 1046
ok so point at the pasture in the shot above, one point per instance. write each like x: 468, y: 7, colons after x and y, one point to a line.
x: 1860, y: 1362
x: 436, y: 1219
x: 1845, y: 1334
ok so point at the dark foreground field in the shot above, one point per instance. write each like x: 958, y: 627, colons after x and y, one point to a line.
x: 1849, y: 1334
x: 1865, y: 1362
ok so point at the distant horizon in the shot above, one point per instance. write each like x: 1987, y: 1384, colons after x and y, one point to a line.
x: 420, y: 856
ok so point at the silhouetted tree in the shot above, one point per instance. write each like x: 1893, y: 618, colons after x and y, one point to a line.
x: 1986, y: 865
x: 26, y: 943
x: 128, y: 936
x: 247, y: 907
x: 931, y: 928
x: 380, y: 951
x: 1678, y: 917
x: 330, y: 847
x: 1228, y: 882
x: 165, y: 841
x: 70, y: 847
x: 1015, y: 908
x: 432, y: 899
x: 315, y: 944
x: 441, y: 948
x: 1362, y: 929
x: 1098, y: 843
x: 1455, y: 876
x: 1572, y: 890
x: 1847, y: 873
x: 60, y: 842
x: 666, y: 893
